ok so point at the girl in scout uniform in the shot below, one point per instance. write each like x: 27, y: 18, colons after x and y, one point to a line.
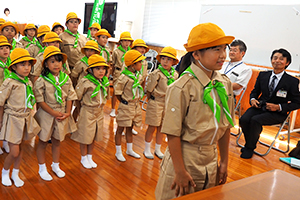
x: 50, y: 39
x: 94, y: 29
x: 35, y: 48
x: 129, y: 91
x: 79, y: 71
x: 92, y: 91
x: 57, y: 28
x: 198, y: 116
x: 10, y: 30
x: 157, y: 84
x: 54, y: 94
x: 117, y: 59
x: 141, y: 46
x: 29, y: 33
x: 16, y: 119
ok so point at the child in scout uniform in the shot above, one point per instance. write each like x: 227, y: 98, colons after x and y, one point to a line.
x: 16, y: 119
x: 198, y: 116
x: 30, y: 31
x: 10, y: 30
x: 117, y: 59
x: 156, y: 88
x: 94, y: 29
x: 141, y: 46
x: 79, y: 71
x: 38, y: 47
x: 57, y: 28
x: 102, y: 37
x: 50, y: 39
x: 54, y: 94
x: 92, y: 91
x: 72, y: 41
x: 129, y: 92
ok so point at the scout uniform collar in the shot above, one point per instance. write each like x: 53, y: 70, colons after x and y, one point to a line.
x: 124, y: 51
x: 4, y: 66
x: 107, y: 53
x: 74, y: 35
x: 99, y: 84
x: 169, y: 75
x: 136, y: 85
x: 85, y: 60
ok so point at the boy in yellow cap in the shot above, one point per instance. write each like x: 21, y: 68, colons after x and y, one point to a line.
x: 50, y: 39
x: 38, y: 47
x: 54, y: 94
x: 10, y: 30
x: 198, y: 116
x: 72, y: 41
x: 57, y: 28
x: 92, y: 91
x: 156, y: 88
x: 16, y: 120
x: 29, y: 33
x: 129, y: 91
x: 102, y: 37
x: 94, y: 29
x: 117, y: 59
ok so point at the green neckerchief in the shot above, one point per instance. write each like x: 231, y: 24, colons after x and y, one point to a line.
x: 33, y: 41
x: 13, y: 44
x: 104, y: 49
x: 42, y: 50
x: 30, y: 100
x: 85, y: 60
x: 65, y: 66
x: 136, y: 85
x: 63, y: 78
x: 207, y: 99
x: 123, y: 50
x: 91, y: 38
x: 74, y: 35
x: 4, y: 66
x: 167, y: 74
x: 100, y: 85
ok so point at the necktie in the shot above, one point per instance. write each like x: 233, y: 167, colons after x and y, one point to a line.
x: 272, y: 85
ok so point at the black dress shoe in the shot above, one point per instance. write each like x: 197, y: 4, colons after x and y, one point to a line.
x: 243, y: 149
x: 247, y: 153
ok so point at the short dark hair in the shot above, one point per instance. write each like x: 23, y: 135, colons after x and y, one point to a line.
x: 6, y: 9
x: 285, y: 54
x: 45, y: 70
x: 240, y: 43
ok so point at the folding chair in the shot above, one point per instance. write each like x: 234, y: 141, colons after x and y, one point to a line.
x: 238, y: 108
x: 271, y: 146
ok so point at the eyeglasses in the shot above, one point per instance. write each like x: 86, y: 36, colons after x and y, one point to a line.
x: 74, y: 21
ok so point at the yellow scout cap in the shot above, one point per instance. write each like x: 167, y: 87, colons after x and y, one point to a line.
x: 103, y: 32
x: 20, y: 55
x: 125, y: 36
x: 4, y: 42
x: 96, y: 60
x: 2, y: 21
x: 206, y: 35
x: 72, y: 15
x: 51, y: 51
x: 133, y: 56
x: 42, y: 30
x: 57, y: 24
x: 139, y: 43
x: 169, y: 52
x: 30, y: 26
x: 91, y: 44
x: 95, y: 25
x: 6, y: 24
x: 51, y: 37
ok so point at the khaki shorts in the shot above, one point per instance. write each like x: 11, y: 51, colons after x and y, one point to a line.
x: 129, y: 115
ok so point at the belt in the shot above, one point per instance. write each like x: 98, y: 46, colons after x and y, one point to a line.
x: 152, y: 97
x: 118, y: 68
x: 124, y: 102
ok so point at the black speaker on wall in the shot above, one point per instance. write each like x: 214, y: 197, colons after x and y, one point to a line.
x: 108, y: 18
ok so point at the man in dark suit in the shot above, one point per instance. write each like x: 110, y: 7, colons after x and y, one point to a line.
x: 274, y: 95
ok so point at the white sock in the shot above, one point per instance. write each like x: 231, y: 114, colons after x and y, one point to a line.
x: 55, y: 168
x: 44, y: 173
x: 119, y: 154
x: 147, y: 151
x: 113, y: 113
x: 134, y: 132
x: 5, y: 178
x: 93, y: 164
x: 5, y: 146
x: 15, y: 177
x: 130, y: 152
x: 85, y: 162
x: 157, y: 151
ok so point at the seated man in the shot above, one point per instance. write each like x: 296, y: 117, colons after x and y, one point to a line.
x: 275, y: 94
x: 238, y: 72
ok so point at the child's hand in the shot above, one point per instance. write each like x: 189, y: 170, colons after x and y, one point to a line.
x: 64, y: 116
x: 57, y: 114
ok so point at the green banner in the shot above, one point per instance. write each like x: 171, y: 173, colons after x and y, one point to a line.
x: 97, y: 12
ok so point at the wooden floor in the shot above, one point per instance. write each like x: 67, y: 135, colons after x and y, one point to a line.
x: 133, y: 179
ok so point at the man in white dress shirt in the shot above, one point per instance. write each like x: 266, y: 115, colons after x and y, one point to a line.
x: 238, y: 72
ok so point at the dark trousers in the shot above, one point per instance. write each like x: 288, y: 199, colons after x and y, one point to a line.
x: 252, y: 121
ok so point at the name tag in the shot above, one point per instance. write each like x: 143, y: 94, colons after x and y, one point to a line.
x: 281, y: 93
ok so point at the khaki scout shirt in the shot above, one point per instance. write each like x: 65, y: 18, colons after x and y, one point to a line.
x: 116, y: 59
x: 67, y: 47
x: 33, y: 50
x: 79, y: 70
x: 157, y: 83
x: 187, y: 116
x: 104, y: 54
x: 24, y: 43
